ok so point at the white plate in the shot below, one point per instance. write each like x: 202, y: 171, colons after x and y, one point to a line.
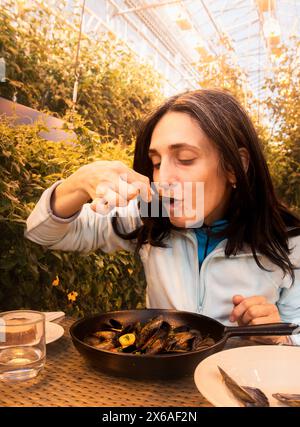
x: 273, y: 369
x: 53, y: 332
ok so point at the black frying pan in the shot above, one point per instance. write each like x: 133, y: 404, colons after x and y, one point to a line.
x: 162, y: 365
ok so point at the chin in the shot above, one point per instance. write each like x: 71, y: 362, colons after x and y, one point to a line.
x: 178, y: 222
x: 184, y: 222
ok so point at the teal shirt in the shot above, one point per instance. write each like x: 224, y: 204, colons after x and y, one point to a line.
x: 206, y: 239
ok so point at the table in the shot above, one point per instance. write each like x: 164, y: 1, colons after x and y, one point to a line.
x: 67, y: 380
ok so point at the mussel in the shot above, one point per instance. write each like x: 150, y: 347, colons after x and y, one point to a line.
x: 180, y: 341
x: 288, y: 399
x: 248, y: 396
x: 148, y: 330
x: 200, y: 344
x: 105, y: 335
x: 156, y: 343
x: 112, y: 325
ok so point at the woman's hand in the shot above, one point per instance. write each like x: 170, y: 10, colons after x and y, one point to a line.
x: 107, y: 183
x: 255, y: 311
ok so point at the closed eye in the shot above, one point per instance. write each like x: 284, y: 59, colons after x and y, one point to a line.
x: 186, y: 162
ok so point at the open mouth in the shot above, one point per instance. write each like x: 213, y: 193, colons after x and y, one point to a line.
x: 170, y: 200
x: 167, y: 198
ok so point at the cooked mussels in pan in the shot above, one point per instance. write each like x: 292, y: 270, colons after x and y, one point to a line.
x: 156, y: 336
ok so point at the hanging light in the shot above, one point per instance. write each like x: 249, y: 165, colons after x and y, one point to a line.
x: 271, y: 28
x: 273, y: 57
x: 183, y: 22
x: 194, y: 40
x: 272, y: 31
x: 276, y: 51
x: 200, y: 48
x: 266, y: 5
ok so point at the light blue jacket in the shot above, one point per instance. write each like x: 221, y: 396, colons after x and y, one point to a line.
x: 172, y: 273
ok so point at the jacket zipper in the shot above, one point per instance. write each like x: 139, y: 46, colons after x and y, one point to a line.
x: 206, y: 245
x: 193, y: 239
x: 205, y: 249
x: 207, y: 260
x: 200, y: 283
x: 200, y: 277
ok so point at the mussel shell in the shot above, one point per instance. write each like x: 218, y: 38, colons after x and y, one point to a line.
x: 149, y: 329
x: 260, y: 398
x: 129, y: 349
x: 162, y: 332
x: 200, y: 344
x: 182, y: 328
x: 180, y: 341
x: 288, y: 399
x: 157, y: 346
x: 105, y: 345
x: 132, y: 328
x: 248, y: 396
x: 104, y: 335
x: 112, y: 324
x: 158, y: 340
x: 236, y: 390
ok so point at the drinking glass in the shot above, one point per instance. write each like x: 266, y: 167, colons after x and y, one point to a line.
x: 22, y: 344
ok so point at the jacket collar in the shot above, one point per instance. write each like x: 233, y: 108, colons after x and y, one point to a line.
x: 219, y: 250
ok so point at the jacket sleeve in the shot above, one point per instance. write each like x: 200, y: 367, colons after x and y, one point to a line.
x: 85, y: 231
x: 289, y: 301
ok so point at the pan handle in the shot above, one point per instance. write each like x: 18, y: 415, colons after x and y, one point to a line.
x: 265, y: 329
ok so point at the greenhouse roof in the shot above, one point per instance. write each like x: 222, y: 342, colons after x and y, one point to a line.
x: 237, y: 26
x: 176, y: 35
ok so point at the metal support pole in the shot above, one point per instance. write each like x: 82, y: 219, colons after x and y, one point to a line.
x: 146, y: 6
x: 75, y: 89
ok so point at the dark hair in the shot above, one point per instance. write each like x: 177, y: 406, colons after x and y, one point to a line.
x: 256, y: 217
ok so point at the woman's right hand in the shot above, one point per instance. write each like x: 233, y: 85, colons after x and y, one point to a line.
x: 107, y: 183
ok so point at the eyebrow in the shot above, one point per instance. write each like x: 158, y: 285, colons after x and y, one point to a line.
x: 174, y: 147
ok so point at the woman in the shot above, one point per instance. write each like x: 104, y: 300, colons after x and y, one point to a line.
x: 240, y: 266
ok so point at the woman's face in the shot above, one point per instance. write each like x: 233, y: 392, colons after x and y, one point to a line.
x: 184, y: 158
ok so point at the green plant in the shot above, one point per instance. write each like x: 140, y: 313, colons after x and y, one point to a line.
x: 276, y: 118
x: 36, y: 278
x: 283, y: 103
x: 115, y: 89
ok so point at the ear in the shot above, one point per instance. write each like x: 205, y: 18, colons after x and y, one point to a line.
x: 245, y: 158
x: 244, y: 154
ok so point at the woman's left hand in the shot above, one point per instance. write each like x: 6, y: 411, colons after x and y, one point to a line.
x: 256, y: 310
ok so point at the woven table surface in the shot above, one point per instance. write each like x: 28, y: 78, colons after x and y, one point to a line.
x: 67, y: 380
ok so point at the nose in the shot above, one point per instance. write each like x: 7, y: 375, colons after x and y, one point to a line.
x: 168, y: 181
x: 166, y: 174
